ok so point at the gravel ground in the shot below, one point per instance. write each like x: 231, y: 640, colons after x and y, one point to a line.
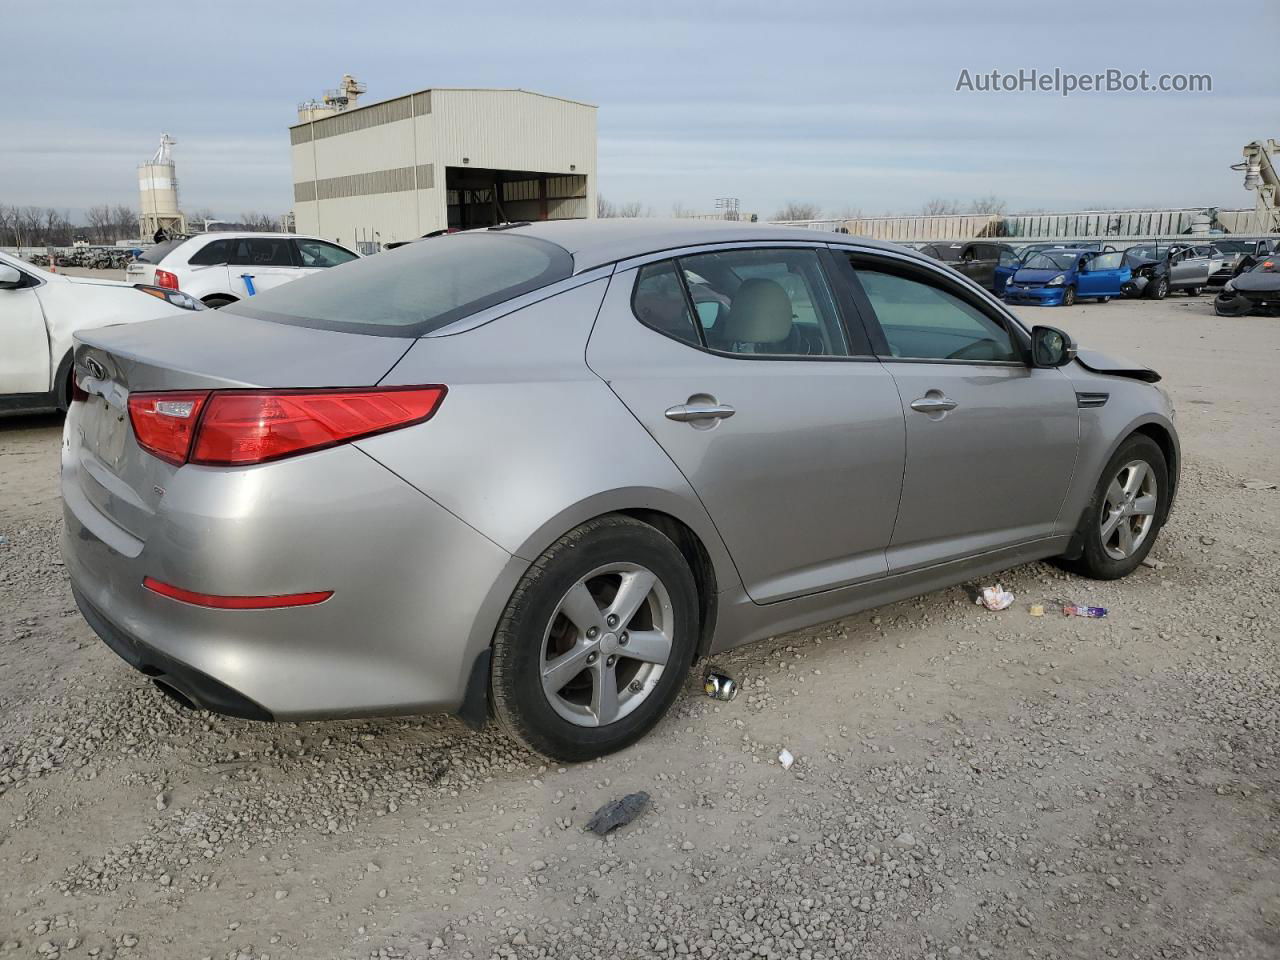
x: 967, y: 783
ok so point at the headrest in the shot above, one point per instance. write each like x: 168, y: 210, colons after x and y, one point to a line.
x: 760, y: 313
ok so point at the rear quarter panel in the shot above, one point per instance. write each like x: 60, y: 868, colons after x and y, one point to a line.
x: 529, y: 442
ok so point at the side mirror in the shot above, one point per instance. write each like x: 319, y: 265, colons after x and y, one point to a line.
x: 10, y: 278
x: 1050, y: 347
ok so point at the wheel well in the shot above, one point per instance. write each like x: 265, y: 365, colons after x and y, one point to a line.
x: 62, y: 382
x: 1164, y: 441
x: 695, y: 554
x: 220, y: 298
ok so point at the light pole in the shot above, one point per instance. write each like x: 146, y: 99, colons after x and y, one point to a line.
x: 729, y: 205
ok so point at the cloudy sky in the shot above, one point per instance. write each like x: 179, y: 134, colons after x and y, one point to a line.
x: 847, y: 105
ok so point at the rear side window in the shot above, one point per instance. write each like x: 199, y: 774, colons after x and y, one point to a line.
x: 660, y: 303
x: 159, y: 251
x: 262, y: 252
x: 211, y: 254
x: 417, y: 288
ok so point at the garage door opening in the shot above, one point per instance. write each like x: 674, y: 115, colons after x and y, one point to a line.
x: 478, y: 197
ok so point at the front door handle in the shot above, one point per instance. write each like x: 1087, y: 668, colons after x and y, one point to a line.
x: 685, y: 412
x: 933, y: 402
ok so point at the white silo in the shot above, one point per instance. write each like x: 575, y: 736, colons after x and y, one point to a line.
x: 158, y: 190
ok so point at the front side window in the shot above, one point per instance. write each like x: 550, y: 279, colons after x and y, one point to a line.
x: 262, y: 252
x: 417, y: 288
x: 318, y: 253
x: 1008, y: 258
x: 1106, y: 261
x: 922, y: 321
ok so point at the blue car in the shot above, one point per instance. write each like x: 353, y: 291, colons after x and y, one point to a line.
x: 1060, y: 277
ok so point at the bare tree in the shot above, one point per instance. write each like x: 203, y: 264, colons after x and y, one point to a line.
x: 679, y: 210
x: 850, y: 213
x: 798, y: 211
x: 938, y: 207
x: 5, y: 223
x: 259, y: 222
x: 100, y: 221
x: 604, y: 208
x: 197, y: 217
x: 32, y: 222
x: 634, y: 209
x: 990, y: 204
x: 124, y: 222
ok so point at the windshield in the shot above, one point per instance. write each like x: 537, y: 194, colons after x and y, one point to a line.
x: 1267, y: 266
x: 1050, y: 261
x: 417, y: 288
x: 1147, y: 251
x: 1236, y: 246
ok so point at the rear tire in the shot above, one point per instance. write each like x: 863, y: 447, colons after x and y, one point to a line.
x: 1193, y: 291
x: 1104, y: 299
x: 604, y: 697
x: 215, y: 302
x: 1120, y: 525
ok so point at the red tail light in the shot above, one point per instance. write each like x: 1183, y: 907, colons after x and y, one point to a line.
x: 219, y: 602
x: 241, y: 427
x: 166, y: 279
x: 164, y: 423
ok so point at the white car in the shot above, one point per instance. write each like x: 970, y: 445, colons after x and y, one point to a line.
x: 221, y: 268
x: 38, y: 313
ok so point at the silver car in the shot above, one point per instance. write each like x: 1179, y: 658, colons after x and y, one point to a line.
x: 538, y: 471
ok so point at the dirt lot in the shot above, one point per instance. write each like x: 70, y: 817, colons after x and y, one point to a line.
x: 968, y: 784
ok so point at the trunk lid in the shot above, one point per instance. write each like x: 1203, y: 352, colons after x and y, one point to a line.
x: 202, y: 350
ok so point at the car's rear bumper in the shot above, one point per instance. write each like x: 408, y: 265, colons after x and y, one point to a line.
x: 416, y: 592
x: 1037, y: 296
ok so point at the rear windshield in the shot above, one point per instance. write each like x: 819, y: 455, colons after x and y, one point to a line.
x: 417, y: 288
x: 160, y: 251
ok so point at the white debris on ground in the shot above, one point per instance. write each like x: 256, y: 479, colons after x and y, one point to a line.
x: 966, y: 783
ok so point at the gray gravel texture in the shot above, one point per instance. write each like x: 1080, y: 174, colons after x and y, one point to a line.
x: 967, y: 783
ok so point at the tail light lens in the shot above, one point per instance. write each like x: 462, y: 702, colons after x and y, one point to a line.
x: 241, y: 427
x: 164, y: 423
x: 166, y: 279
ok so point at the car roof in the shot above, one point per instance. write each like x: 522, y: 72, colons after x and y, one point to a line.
x: 597, y: 242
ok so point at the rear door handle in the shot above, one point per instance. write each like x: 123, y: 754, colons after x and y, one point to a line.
x: 684, y: 412
x: 933, y: 403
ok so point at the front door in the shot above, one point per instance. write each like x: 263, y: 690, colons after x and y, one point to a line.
x: 789, y: 432
x: 991, y: 442
x: 260, y: 263
x: 24, y: 341
x: 1188, y: 270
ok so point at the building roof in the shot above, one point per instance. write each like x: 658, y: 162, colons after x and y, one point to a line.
x: 608, y: 240
x: 410, y: 93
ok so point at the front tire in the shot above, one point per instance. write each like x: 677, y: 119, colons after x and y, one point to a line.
x: 1069, y: 296
x: 1124, y: 516
x: 1104, y: 299
x: 1193, y: 291
x: 596, y: 640
x: 1160, y: 289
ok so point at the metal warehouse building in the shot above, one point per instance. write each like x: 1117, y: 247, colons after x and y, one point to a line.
x: 398, y: 169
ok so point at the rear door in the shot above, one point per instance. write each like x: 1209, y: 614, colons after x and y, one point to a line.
x: 787, y: 428
x: 260, y: 263
x: 24, y: 341
x: 991, y: 442
x: 206, y: 271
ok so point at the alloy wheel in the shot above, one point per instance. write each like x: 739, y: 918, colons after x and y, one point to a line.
x: 607, y: 644
x: 1128, y: 510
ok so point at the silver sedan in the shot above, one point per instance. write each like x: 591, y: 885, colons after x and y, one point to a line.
x: 536, y: 472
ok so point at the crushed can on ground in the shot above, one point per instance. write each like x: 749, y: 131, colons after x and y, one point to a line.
x: 719, y: 686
